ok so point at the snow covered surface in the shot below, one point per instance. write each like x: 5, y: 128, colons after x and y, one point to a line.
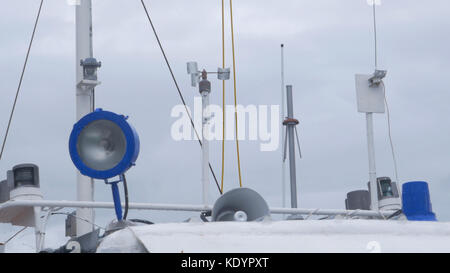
x: 288, y: 236
x: 123, y: 241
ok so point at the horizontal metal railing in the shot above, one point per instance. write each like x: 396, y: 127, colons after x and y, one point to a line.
x: 184, y: 207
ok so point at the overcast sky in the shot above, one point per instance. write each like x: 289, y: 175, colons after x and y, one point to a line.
x: 326, y: 43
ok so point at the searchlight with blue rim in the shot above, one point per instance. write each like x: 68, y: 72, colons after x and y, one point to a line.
x: 103, y: 145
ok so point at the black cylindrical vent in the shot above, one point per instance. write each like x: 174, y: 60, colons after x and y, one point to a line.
x: 358, y: 200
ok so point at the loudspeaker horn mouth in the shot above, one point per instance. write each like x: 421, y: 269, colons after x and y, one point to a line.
x: 241, y: 205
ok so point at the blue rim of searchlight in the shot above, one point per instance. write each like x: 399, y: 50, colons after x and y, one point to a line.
x: 132, y: 148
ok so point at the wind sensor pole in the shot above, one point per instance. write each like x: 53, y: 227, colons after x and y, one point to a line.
x: 204, y: 86
x: 370, y: 140
x: 372, y: 167
x: 370, y: 99
x: 86, y: 79
x: 290, y: 122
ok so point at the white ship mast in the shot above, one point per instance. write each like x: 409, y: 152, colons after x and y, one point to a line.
x: 84, y: 105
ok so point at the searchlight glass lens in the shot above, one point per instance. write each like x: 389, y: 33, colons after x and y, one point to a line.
x: 101, y: 145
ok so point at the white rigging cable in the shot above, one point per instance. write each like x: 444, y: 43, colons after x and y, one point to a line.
x: 390, y: 135
x: 77, y: 217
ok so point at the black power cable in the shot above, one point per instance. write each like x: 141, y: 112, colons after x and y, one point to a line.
x: 397, y: 213
x: 142, y: 221
x: 178, y: 88
x: 125, y: 190
x: 21, y: 78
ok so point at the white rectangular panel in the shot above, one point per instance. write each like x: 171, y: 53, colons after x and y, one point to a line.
x: 370, y: 99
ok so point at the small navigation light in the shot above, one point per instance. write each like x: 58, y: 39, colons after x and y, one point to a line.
x: 26, y: 175
x: 388, y: 194
x: 90, y: 66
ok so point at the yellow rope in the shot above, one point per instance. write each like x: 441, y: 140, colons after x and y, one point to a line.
x: 235, y: 100
x: 223, y: 93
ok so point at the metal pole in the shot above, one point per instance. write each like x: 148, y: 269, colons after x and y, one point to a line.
x: 100, y: 205
x: 369, y: 121
x: 290, y: 128
x: 39, y: 233
x: 84, y: 105
x: 283, y: 133
x: 43, y: 225
x: 372, y: 167
x: 205, y: 89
